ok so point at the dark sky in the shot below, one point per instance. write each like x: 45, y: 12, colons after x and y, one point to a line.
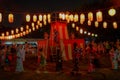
x: 52, y: 5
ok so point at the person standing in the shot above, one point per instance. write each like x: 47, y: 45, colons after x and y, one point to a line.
x: 113, y: 58
x: 58, y: 58
x: 19, y: 64
x: 41, y: 60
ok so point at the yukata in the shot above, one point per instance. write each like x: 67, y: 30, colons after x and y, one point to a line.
x: 114, y: 61
x: 19, y: 65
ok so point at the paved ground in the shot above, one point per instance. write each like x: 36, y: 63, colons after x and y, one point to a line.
x: 103, y: 73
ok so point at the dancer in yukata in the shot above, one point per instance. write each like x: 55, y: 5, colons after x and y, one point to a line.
x: 19, y: 65
x: 113, y: 58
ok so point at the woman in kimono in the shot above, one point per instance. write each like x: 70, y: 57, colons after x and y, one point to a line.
x: 19, y: 64
x: 113, y: 58
x: 41, y: 60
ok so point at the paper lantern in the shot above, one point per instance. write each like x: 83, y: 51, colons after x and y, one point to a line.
x: 104, y: 24
x: 32, y: 24
x: 99, y: 16
x: 21, y: 29
x: 89, y: 23
x: 96, y: 35
x: 77, y: 28
x: 81, y: 31
x: 10, y: 18
x: 63, y: 16
x: 3, y: 34
x: 34, y: 18
x: 7, y: 33
x: 67, y: 16
x: 93, y: 34
x: 115, y: 25
x: 71, y: 17
x: 29, y: 30
x: 33, y: 29
x: 90, y: 16
x: 44, y: 17
x: 96, y: 24
x: 112, y: 12
x: 27, y: 26
x: 12, y: 32
x: 60, y: 15
x: 27, y: 18
x: 73, y: 25
x: 75, y: 17
x: 82, y: 18
x: 40, y: 24
x: 21, y: 34
x: 85, y: 32
x: 24, y: 33
x: 40, y: 17
x: 48, y: 16
x: 17, y: 30
x: 89, y: 33
x: 37, y: 27
x: 0, y: 17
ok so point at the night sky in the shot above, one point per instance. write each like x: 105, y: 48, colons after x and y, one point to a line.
x: 38, y: 6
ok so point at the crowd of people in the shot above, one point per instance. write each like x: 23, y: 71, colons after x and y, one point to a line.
x: 12, y: 57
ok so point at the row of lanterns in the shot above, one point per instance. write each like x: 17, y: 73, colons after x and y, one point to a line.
x: 105, y: 24
x: 10, y: 17
x: 76, y: 17
x: 19, y: 32
x: 40, y: 17
x: 99, y: 18
x: 28, y: 17
x: 83, y: 32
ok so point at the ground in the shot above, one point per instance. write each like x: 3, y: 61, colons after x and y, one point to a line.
x: 103, y: 73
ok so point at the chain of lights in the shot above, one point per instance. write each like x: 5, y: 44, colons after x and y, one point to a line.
x: 81, y: 18
x: 22, y: 31
x: 38, y: 20
x: 83, y: 31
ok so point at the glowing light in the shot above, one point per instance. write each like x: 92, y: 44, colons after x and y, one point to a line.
x: 17, y: 30
x: 89, y: 23
x: 21, y: 28
x: 3, y: 34
x: 82, y: 18
x: 85, y: 32
x: 96, y: 35
x: 10, y: 18
x: 27, y: 18
x: 104, y: 24
x: 112, y: 12
x: 81, y: 31
x: 89, y: 33
x: 34, y: 18
x: 73, y: 25
x: 12, y: 32
x: 75, y: 17
x: 96, y: 24
x: 0, y: 17
x: 93, y: 34
x: 115, y: 25
x: 99, y: 16
x: 71, y: 17
x: 40, y: 17
x: 44, y: 17
x: 90, y: 16
x: 27, y: 26
x: 7, y: 33
x: 77, y: 28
